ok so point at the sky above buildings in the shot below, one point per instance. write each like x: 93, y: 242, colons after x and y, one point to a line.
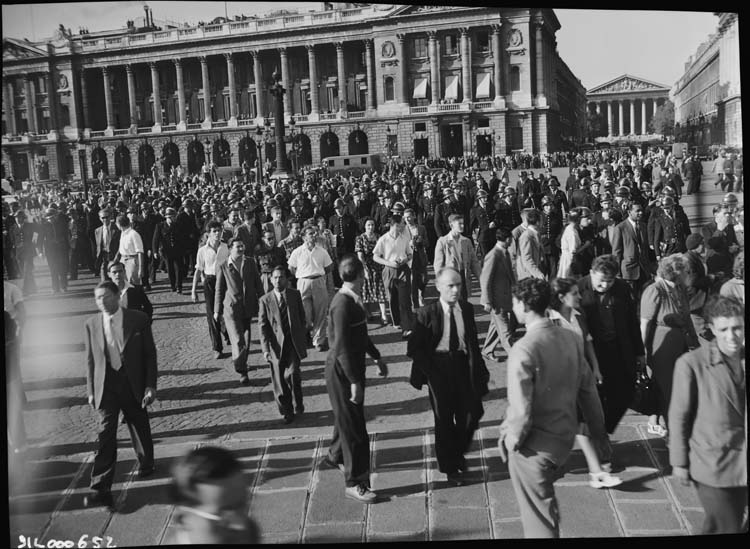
x: 597, y: 45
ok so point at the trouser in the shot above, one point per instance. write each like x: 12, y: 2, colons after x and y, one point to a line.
x: 418, y: 285
x: 285, y: 376
x: 500, y: 325
x: 10, y: 262
x: 214, y: 326
x: 26, y: 269
x: 238, y: 330
x: 153, y: 265
x: 350, y: 443
x: 723, y: 508
x: 533, y: 476
x: 57, y: 259
x: 118, y: 395
x: 727, y: 182
x: 132, y: 272
x: 74, y: 258
x: 315, y: 302
x: 694, y: 185
x: 91, y: 255
x: 398, y: 289
x: 551, y: 260
x: 176, y: 271
x: 146, y: 270
x: 190, y: 258
x: 618, y: 382
x: 265, y: 280
x: 636, y: 286
x: 738, y: 184
x: 454, y: 408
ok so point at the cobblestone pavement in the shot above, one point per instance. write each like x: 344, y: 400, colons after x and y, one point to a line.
x: 200, y: 401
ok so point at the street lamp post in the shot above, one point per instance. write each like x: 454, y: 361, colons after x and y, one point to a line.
x: 282, y: 163
x: 261, y: 138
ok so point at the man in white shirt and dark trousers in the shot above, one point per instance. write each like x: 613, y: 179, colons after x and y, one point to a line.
x: 393, y: 250
x: 310, y: 263
x: 130, y: 252
x: 210, y: 256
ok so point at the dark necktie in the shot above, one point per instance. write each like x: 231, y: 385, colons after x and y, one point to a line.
x: 453, y: 338
x: 283, y: 313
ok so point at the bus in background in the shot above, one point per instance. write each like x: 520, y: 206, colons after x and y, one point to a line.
x: 356, y: 164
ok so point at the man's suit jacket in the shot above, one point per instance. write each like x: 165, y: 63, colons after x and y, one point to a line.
x: 138, y: 301
x: 428, y: 330
x: 704, y: 398
x: 529, y: 259
x: 138, y: 355
x: 344, y: 240
x: 269, y: 322
x: 631, y: 253
x: 496, y: 280
x: 237, y: 294
x: 445, y: 256
x: 547, y: 376
x: 114, y: 242
x: 250, y: 236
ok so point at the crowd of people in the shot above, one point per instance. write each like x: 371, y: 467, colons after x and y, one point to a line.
x: 603, y: 270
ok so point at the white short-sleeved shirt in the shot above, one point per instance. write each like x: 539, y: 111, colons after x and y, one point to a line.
x: 130, y: 242
x: 208, y: 261
x: 309, y: 262
x: 12, y: 296
x: 391, y: 249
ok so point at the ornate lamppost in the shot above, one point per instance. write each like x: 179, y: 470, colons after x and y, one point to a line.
x: 278, y: 91
x: 261, y: 138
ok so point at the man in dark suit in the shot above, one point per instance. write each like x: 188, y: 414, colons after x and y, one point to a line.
x: 107, y: 240
x: 131, y: 297
x: 344, y: 227
x: 611, y: 315
x: 630, y: 247
x: 282, y: 339
x: 445, y: 355
x: 238, y: 288
x: 496, y: 281
x: 483, y: 221
x: 120, y: 375
x: 169, y: 243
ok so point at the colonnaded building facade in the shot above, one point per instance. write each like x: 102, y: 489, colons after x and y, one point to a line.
x: 412, y: 81
x: 707, y: 97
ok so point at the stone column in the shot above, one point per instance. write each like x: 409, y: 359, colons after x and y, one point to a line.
x: 10, y: 110
x: 314, y: 99
x: 497, y: 53
x: 402, y: 96
x: 541, y: 100
x: 85, y: 101
x: 108, y: 98
x: 206, y: 92
x: 259, y: 87
x: 622, y: 120
x: 232, y: 90
x: 598, y: 107
x: 286, y: 81
x: 644, y: 131
x: 632, y: 117
x: 466, y: 65
x: 610, y: 125
x: 28, y: 104
x: 434, y: 67
x: 370, y: 76
x: 341, y: 76
x: 157, y: 95
x: 131, y: 98
x: 653, y: 108
x: 181, y: 122
x: 52, y: 102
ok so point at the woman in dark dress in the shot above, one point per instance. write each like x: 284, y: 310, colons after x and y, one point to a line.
x: 373, y: 290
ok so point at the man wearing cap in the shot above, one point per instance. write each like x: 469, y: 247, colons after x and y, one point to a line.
x: 344, y: 228
x: 130, y: 251
x: 167, y: 243
x: 54, y: 240
x: 483, y: 221
x: 426, y: 216
x: 675, y: 181
x: 559, y: 200
x: 78, y: 241
x: 550, y: 228
x: 107, y: 239
x: 582, y: 197
x: 267, y: 256
x: 443, y: 211
x: 276, y: 224
x: 719, y: 236
x: 146, y: 226
x: 630, y: 247
x: 698, y: 283
x: 507, y: 214
x: 248, y: 232
x: 381, y: 211
x: 670, y: 231
x: 187, y: 223
x: 692, y: 172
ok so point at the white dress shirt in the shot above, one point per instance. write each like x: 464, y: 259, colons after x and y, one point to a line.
x: 130, y: 242
x: 208, y: 260
x: 391, y: 249
x: 113, y: 336
x: 124, y: 295
x: 444, y: 344
x: 309, y: 262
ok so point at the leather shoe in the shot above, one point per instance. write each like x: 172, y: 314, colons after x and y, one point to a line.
x: 244, y: 380
x: 462, y: 467
x: 99, y: 499
x: 299, y: 410
x: 455, y: 479
x: 328, y: 462
x: 145, y: 472
x: 218, y: 355
x: 288, y: 418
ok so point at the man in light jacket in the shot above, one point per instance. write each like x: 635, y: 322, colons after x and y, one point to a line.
x: 456, y: 251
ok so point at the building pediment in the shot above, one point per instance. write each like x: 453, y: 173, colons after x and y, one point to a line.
x: 627, y: 83
x: 412, y: 10
x: 17, y: 50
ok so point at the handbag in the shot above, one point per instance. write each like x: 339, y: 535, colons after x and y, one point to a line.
x: 644, y: 396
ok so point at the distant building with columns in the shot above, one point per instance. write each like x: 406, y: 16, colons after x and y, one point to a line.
x: 707, y: 96
x: 416, y: 81
x: 627, y: 105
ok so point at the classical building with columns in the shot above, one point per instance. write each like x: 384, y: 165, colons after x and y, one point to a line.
x: 627, y: 104
x: 707, y: 97
x: 412, y: 81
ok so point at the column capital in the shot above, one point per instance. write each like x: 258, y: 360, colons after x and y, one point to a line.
x: 339, y: 46
x: 281, y: 50
x: 177, y: 62
x: 310, y: 48
x: 538, y: 22
x: 463, y: 30
x: 496, y: 27
x: 203, y: 59
x: 254, y: 53
x: 129, y: 67
x: 368, y: 43
x: 432, y: 34
x: 228, y: 56
x: 152, y: 65
x: 105, y: 70
x: 401, y: 37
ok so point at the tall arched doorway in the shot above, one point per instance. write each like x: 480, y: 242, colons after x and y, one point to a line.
x: 170, y: 157
x: 122, y: 161
x: 483, y: 145
x: 196, y: 157
x: 146, y: 159
x: 221, y: 155
x: 248, y: 151
x: 303, y: 149
x: 358, y: 142
x: 329, y: 145
x: 99, y: 161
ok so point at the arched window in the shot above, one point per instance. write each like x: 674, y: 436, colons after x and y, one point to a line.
x: 515, y: 78
x: 389, y: 88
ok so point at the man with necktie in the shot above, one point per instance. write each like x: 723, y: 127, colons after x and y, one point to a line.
x: 456, y: 251
x: 120, y: 375
x: 630, y: 245
x: 107, y: 238
x: 444, y: 349
x: 282, y: 339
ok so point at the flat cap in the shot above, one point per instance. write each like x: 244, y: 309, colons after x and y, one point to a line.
x: 170, y: 212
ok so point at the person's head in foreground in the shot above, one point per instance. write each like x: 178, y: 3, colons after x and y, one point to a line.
x: 531, y: 297
x: 726, y: 320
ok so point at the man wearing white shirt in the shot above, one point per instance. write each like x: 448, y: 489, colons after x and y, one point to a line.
x: 209, y: 257
x: 393, y: 250
x: 310, y: 263
x: 130, y: 251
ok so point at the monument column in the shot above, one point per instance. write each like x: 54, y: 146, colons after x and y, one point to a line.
x: 131, y: 98
x: 107, y: 98
x: 85, y: 101
x: 466, y: 65
x: 286, y: 82
x: 370, y: 76
x: 610, y: 125
x: 632, y: 117
x: 259, y: 88
x: 232, y: 120
x: 497, y: 53
x: 341, y: 77
x: 10, y: 110
x: 541, y: 100
x: 157, y: 95
x: 644, y: 131
x: 206, y: 92
x: 401, y: 94
x: 622, y: 121
x: 434, y: 67
x: 653, y: 108
x: 181, y: 122
x: 314, y: 100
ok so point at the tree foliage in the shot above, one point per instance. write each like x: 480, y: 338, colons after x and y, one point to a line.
x: 663, y: 120
x: 595, y: 126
